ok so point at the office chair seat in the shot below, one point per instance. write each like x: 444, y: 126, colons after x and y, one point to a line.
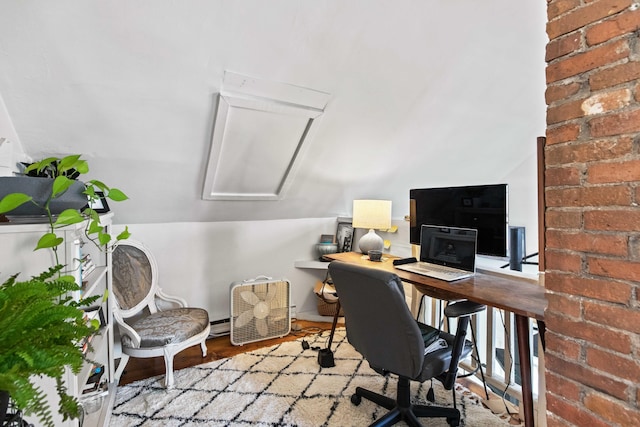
x: 380, y: 326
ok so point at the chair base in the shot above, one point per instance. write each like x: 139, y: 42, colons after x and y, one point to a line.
x: 402, y: 409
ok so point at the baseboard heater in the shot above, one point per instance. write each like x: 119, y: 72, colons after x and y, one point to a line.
x: 220, y: 327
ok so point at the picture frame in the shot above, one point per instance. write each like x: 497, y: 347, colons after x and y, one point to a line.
x: 344, y: 236
x: 100, y: 205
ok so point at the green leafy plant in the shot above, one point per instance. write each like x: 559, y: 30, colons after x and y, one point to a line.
x: 63, y: 171
x: 41, y: 324
x: 41, y: 327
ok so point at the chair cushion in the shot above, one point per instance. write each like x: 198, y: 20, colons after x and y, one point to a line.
x: 168, y: 327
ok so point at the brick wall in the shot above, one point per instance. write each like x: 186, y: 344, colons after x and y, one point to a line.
x: 592, y: 196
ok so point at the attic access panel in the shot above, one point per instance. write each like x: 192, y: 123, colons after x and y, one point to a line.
x: 260, y: 131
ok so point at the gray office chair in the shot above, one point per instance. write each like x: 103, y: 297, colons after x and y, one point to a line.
x: 380, y: 326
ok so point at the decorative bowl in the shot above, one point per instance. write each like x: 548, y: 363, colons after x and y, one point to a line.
x: 325, y: 249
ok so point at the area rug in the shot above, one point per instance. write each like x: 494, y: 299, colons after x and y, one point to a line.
x: 281, y: 385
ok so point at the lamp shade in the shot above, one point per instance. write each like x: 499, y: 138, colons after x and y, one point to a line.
x: 371, y: 214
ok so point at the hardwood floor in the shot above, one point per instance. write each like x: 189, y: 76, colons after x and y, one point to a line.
x: 218, y: 348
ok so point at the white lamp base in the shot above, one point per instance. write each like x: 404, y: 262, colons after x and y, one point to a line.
x: 370, y: 242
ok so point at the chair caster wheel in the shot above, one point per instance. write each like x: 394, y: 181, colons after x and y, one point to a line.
x: 355, y: 399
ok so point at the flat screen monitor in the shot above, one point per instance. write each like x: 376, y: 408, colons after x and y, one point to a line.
x: 483, y: 207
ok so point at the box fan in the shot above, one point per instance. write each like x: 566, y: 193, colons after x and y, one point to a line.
x: 260, y: 309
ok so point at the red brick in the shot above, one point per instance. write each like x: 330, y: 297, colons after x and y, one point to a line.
x: 589, y: 60
x: 563, y: 304
x: 561, y: 91
x: 613, y: 315
x: 623, y: 23
x: 562, y: 46
x: 566, y: 410
x: 615, y: 124
x: 586, y: 376
x: 615, y: 411
x: 587, y: 242
x: 600, y: 289
x: 562, y: 176
x: 614, y: 195
x: 605, y: 102
x: 612, y: 220
x: 582, y: 16
x: 560, y: 345
x: 598, y: 335
x: 626, y: 171
x: 571, y: 219
x: 589, y: 151
x: 563, y: 133
x: 616, y: 269
x: 559, y: 260
x: 558, y: 7
x: 634, y: 247
x: 614, y: 76
x: 554, y: 420
x: 563, y: 112
x: 621, y: 366
x: 562, y: 386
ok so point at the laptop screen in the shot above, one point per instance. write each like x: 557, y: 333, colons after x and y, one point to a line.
x: 450, y: 246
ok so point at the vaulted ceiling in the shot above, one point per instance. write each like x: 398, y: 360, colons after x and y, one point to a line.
x: 421, y: 93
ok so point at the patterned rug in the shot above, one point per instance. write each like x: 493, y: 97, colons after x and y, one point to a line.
x: 281, y: 385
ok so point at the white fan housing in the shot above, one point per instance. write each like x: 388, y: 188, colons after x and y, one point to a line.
x: 260, y: 309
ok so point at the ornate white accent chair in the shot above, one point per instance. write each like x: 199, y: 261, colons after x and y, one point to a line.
x: 151, y: 323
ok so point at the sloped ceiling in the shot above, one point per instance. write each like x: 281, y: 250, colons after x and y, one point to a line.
x: 423, y: 93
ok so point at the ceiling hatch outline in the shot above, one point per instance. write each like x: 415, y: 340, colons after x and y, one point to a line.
x: 260, y: 132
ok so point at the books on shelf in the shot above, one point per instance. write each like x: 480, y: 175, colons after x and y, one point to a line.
x: 86, y: 266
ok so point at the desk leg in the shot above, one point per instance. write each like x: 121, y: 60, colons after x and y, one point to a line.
x: 522, y: 329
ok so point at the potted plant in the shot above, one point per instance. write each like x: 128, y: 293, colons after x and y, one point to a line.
x: 40, y: 324
x: 40, y: 328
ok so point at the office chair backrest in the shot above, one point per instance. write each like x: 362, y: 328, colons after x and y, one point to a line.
x: 378, y: 321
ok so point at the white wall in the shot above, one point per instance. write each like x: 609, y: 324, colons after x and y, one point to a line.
x: 423, y: 93
x: 199, y: 261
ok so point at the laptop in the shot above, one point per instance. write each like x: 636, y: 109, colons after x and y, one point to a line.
x: 446, y: 253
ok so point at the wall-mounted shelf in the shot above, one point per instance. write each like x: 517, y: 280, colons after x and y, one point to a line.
x: 311, y: 264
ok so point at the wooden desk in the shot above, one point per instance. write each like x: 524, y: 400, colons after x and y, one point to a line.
x: 519, y: 296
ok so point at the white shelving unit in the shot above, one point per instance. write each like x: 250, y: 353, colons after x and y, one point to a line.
x: 17, y: 242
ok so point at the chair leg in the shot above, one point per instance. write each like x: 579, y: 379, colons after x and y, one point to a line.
x: 401, y: 409
x: 123, y: 363
x: 168, y: 366
x: 203, y: 346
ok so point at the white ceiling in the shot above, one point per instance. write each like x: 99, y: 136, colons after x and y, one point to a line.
x: 423, y: 93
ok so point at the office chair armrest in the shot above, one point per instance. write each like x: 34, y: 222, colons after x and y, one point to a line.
x: 170, y: 299
x: 463, y: 308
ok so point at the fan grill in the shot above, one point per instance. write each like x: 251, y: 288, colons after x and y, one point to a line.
x: 259, y: 311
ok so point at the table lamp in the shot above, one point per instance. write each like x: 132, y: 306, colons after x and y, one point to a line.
x: 371, y: 214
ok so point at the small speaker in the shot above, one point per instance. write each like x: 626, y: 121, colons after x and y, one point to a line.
x: 517, y: 248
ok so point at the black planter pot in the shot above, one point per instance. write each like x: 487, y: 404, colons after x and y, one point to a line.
x: 40, y: 189
x: 4, y: 406
x: 9, y: 415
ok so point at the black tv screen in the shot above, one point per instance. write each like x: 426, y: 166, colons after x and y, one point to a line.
x: 483, y: 207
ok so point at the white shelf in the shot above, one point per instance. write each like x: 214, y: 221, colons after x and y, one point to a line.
x: 312, y: 264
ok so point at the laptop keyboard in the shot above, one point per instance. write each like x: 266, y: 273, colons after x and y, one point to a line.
x: 442, y: 270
